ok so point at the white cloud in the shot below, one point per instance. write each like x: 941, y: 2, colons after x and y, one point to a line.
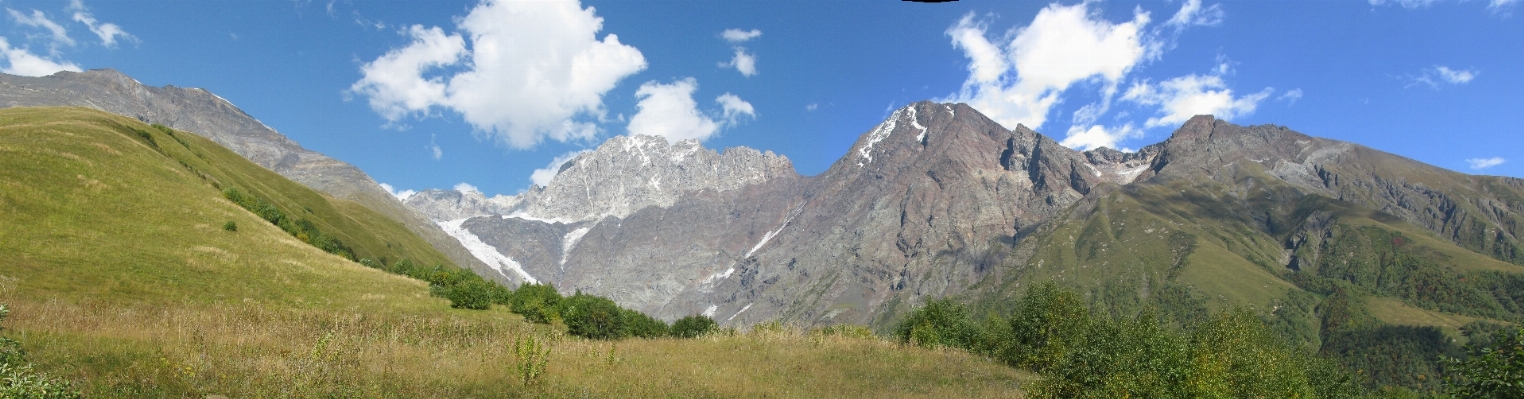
x: 1181, y: 98
x: 1291, y: 96
x: 1484, y: 163
x: 1017, y: 82
x: 1192, y: 14
x: 743, y: 62
x: 533, y: 70
x: 40, y: 20
x: 22, y: 62
x: 108, y: 32
x: 668, y: 110
x: 811, y: 107
x: 541, y: 177
x: 395, y: 82
x: 733, y: 107
x: 737, y: 35
x: 1439, y: 74
x: 463, y: 186
x: 1098, y: 136
x: 401, y: 195
x: 434, y: 148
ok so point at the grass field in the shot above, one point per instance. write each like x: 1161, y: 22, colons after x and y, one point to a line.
x: 121, y: 278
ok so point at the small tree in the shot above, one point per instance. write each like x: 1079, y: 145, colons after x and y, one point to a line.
x: 230, y: 226
x: 592, y: 316
x: 693, y: 326
x: 474, y: 293
x: 538, y: 303
x: 1494, y: 370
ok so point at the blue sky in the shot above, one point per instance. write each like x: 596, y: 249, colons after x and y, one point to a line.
x: 436, y: 93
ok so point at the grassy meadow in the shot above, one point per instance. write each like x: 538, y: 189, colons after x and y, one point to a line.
x: 122, y: 277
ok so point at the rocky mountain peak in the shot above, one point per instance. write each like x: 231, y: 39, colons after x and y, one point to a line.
x: 620, y: 177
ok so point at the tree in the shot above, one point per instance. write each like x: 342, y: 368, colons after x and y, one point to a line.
x: 1494, y: 370
x: 693, y: 326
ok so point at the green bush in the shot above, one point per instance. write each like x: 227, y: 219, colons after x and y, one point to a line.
x: 941, y: 322
x: 1491, y: 370
x: 230, y: 226
x: 591, y: 316
x: 538, y: 303
x: 693, y: 326
x: 470, y: 294
x: 640, y: 325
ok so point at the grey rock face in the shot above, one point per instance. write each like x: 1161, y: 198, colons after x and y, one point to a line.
x: 923, y: 205
x: 201, y: 112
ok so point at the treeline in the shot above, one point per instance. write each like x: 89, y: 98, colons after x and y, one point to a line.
x: 301, y: 228
x: 1053, y: 332
x: 596, y: 317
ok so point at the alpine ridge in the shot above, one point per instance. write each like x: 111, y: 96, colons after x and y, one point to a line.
x: 201, y: 112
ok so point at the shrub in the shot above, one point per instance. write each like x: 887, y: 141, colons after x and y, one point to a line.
x: 1491, y: 370
x: 591, y: 316
x: 537, y: 302
x: 693, y: 326
x: 470, y: 294
x: 638, y: 324
x: 941, y: 322
x: 230, y: 226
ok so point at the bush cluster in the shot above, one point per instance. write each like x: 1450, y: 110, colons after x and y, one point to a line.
x: 596, y: 317
x: 1053, y: 332
x: 301, y: 228
x: 464, y: 289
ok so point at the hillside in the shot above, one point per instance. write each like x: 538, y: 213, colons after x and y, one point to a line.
x: 121, y: 276
x: 208, y: 115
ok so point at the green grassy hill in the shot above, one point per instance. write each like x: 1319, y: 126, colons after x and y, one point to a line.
x: 122, y: 278
x: 1384, y: 296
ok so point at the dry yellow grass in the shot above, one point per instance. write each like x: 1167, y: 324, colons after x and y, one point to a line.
x: 249, y: 350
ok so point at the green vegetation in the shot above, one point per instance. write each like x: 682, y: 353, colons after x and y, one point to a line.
x: 123, y: 282
x: 693, y: 326
x: 1080, y: 354
x: 1491, y: 369
x: 19, y: 380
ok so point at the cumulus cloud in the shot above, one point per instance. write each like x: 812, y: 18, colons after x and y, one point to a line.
x: 1019, y: 77
x: 733, y: 107
x: 532, y: 71
x: 743, y: 62
x: 20, y: 61
x: 1484, y: 163
x: 1098, y: 136
x: 401, y: 195
x: 668, y: 110
x: 463, y: 187
x: 737, y: 35
x: 541, y: 177
x: 1441, y: 75
x: 1181, y: 98
x: 1018, y: 81
x: 109, y: 33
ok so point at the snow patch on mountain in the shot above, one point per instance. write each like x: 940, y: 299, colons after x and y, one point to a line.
x: 483, y: 251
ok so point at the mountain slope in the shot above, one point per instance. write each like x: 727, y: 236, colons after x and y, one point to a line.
x: 120, y: 277
x: 203, y: 113
x: 938, y: 200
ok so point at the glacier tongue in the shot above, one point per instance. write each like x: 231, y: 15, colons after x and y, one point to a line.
x: 483, y: 251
